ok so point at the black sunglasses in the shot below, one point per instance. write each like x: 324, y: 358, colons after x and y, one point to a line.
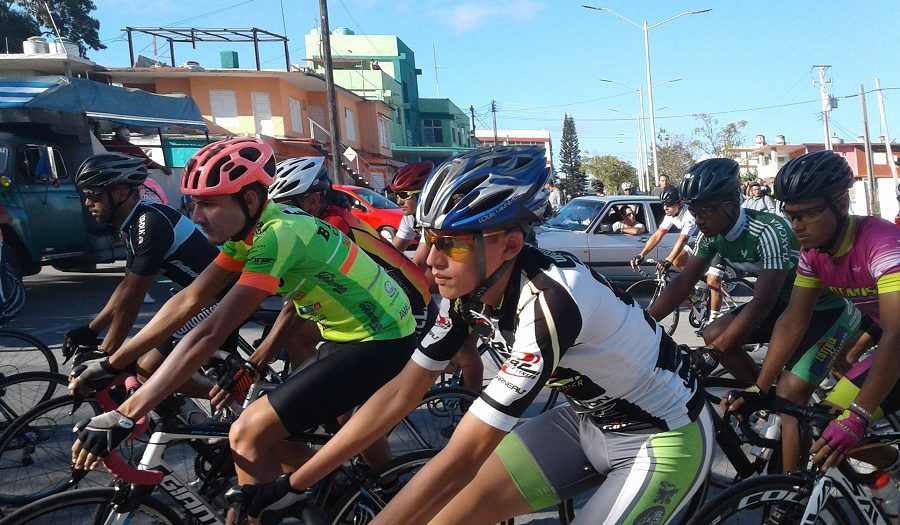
x: 92, y: 196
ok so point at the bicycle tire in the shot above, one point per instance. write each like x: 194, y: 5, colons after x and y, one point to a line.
x: 19, y: 393
x: 738, y: 292
x: 645, y: 293
x: 357, y: 507
x: 35, y: 451
x: 431, y: 423
x: 19, y: 353
x: 747, y: 501
x: 90, y: 506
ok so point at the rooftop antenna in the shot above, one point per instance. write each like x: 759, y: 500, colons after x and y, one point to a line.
x: 52, y: 21
x: 437, y: 84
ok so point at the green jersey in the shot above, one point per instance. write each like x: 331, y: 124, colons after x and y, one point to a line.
x: 329, y: 278
x: 761, y: 241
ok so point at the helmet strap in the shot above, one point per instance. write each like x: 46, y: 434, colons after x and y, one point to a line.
x: 842, y: 222
x: 250, y: 220
x: 485, y: 282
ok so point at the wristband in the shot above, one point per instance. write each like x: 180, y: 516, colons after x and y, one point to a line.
x: 860, y: 411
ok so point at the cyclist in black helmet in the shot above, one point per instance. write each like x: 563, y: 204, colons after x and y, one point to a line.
x: 759, y: 243
x: 158, y: 239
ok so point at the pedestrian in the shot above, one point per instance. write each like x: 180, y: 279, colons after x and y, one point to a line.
x: 662, y: 186
x: 555, y: 198
x: 758, y: 201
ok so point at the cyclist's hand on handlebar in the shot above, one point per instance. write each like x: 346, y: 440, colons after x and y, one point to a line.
x: 838, y: 439
x: 734, y: 400
x: 81, y: 336
x: 98, y: 437
x: 274, y: 495
x: 705, y: 359
x: 234, y: 383
x: 636, y: 261
x: 663, y: 266
x: 95, y: 374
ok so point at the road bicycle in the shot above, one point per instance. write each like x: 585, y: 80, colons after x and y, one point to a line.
x: 22, y: 352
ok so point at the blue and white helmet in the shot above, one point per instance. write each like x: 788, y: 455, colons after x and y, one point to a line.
x: 486, y: 189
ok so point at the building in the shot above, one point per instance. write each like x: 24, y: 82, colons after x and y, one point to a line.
x: 286, y: 109
x: 518, y: 137
x: 763, y: 161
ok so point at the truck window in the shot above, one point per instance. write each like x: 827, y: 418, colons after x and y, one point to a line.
x: 41, y: 164
x: 658, y: 212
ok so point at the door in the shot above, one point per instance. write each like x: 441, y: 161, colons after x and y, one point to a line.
x: 262, y: 114
x: 664, y: 248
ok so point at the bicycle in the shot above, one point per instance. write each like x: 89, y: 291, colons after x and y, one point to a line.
x: 21, y: 352
x: 21, y: 392
x: 807, y: 496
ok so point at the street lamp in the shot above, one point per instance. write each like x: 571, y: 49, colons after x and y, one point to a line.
x: 646, y: 29
x: 643, y: 174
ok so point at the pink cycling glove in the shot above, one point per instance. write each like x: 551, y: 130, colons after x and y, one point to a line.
x: 843, y: 433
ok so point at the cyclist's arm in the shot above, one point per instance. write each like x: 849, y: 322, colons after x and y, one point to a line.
x: 391, y: 403
x: 195, y: 348
x: 102, y: 319
x: 444, y: 476
x: 125, y: 305
x: 653, y: 241
x: 401, y: 244
x: 765, y: 294
x: 787, y: 334
x: 678, y: 288
x: 177, y: 311
x: 679, y: 245
x: 287, y: 322
x: 886, y: 363
x: 421, y: 255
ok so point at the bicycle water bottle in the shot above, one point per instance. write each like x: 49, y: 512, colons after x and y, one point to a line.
x: 769, y: 428
x: 885, y: 491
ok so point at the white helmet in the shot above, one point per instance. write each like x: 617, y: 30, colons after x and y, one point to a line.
x: 626, y: 186
x: 299, y: 176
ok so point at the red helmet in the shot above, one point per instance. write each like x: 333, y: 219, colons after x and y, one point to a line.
x: 412, y: 177
x: 224, y: 167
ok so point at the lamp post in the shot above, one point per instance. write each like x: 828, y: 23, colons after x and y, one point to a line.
x: 643, y: 174
x: 646, y: 29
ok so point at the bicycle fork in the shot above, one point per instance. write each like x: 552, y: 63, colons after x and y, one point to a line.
x: 822, y: 489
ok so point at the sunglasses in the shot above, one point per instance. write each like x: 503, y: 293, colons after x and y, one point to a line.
x: 706, y: 211
x: 406, y: 195
x: 92, y: 196
x: 806, y: 215
x: 459, y: 246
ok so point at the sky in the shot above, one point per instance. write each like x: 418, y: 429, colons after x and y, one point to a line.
x: 542, y: 59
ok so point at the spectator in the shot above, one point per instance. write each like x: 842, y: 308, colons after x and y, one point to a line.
x: 662, y: 186
x: 629, y: 223
x: 757, y: 200
x: 627, y: 188
x: 555, y: 196
x: 598, y: 187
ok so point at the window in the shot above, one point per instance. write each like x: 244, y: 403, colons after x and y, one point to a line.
x: 349, y: 124
x: 434, y: 132
x: 384, y: 132
x: 296, y: 116
x: 41, y: 164
x: 224, y: 107
x: 4, y: 159
x: 262, y: 114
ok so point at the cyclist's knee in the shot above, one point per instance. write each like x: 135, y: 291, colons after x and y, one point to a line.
x: 794, y: 388
x: 713, y: 330
x: 258, y: 426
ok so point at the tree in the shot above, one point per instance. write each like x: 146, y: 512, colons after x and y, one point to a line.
x: 609, y: 169
x: 16, y: 27
x: 675, y: 155
x: 570, y: 159
x: 72, y: 17
x: 716, y: 141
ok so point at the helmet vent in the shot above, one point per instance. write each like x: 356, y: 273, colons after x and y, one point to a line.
x: 250, y: 154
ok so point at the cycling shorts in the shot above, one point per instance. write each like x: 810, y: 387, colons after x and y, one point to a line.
x: 639, y: 477
x: 848, y: 387
x: 346, y: 377
x: 828, y: 333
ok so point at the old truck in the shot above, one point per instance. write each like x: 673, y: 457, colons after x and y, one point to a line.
x: 48, y: 127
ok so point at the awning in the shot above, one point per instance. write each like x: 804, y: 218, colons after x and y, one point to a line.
x: 131, y: 107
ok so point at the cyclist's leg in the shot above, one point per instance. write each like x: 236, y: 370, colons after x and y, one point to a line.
x: 869, y: 335
x: 317, y: 394
x: 736, y: 360
x: 714, y: 277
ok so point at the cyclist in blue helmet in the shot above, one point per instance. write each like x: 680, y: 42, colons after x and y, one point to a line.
x: 635, y: 429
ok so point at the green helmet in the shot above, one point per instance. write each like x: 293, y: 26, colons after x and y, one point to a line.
x: 711, y: 180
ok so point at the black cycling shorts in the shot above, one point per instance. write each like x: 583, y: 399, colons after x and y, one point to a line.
x: 337, y: 383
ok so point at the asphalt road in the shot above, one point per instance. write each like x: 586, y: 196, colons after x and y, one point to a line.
x: 58, y: 301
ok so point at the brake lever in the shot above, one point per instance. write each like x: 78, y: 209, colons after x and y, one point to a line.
x: 77, y: 400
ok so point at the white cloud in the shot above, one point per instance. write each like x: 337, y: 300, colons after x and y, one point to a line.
x: 473, y: 15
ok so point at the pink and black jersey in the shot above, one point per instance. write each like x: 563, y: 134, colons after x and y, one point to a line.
x: 866, y: 264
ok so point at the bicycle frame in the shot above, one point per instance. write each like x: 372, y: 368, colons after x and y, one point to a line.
x: 853, y: 493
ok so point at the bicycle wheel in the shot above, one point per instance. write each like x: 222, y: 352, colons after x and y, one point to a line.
x: 20, y: 393
x: 20, y: 352
x: 36, y: 451
x: 91, y: 506
x: 777, y: 499
x: 738, y: 292
x: 430, y: 425
x: 645, y: 293
x: 359, y: 505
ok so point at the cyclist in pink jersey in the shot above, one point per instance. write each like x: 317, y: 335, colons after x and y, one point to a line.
x: 856, y: 257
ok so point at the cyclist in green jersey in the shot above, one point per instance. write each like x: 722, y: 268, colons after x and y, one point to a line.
x: 361, y: 312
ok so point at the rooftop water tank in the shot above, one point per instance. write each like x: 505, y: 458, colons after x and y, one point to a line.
x: 837, y: 140
x: 35, y: 45
x: 779, y: 140
x: 343, y: 31
x: 193, y: 65
x: 760, y: 140
x: 63, y: 46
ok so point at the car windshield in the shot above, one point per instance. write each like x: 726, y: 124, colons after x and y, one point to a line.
x: 375, y: 199
x: 576, y: 215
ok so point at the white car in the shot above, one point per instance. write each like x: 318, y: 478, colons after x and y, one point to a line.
x: 583, y: 227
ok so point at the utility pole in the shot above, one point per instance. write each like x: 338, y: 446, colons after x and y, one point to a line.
x: 494, y: 111
x: 826, y: 104
x: 437, y: 84
x: 325, y: 34
x: 872, y: 195
x: 472, y: 112
x: 887, y: 135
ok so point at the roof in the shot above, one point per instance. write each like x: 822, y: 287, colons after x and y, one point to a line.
x: 530, y: 134
x: 618, y: 198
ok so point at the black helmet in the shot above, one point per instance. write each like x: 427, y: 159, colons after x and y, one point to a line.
x: 711, y: 180
x: 670, y: 196
x: 111, y: 169
x: 818, y: 174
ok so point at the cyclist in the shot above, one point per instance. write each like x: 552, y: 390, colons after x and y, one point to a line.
x: 407, y: 184
x: 857, y: 257
x: 158, y: 240
x: 636, y: 428
x: 361, y: 312
x: 760, y: 243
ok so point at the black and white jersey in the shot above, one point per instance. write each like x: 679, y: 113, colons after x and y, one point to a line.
x: 568, y: 327
x: 159, y: 239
